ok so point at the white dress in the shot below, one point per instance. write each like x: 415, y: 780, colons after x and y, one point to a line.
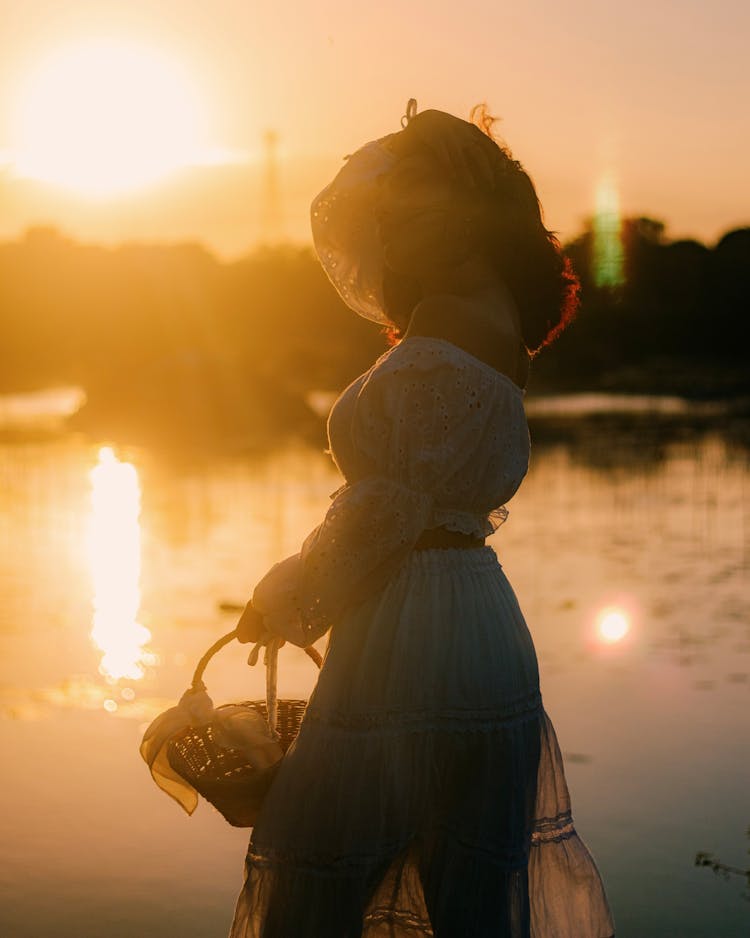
x: 425, y: 793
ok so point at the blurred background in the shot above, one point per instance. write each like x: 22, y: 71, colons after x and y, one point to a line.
x: 169, y: 351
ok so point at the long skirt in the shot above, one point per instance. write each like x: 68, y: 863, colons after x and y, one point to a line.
x: 425, y: 792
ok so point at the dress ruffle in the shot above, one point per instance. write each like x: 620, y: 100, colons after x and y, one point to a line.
x: 425, y: 793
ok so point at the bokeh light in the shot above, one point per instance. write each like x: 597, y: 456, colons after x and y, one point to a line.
x: 612, y: 624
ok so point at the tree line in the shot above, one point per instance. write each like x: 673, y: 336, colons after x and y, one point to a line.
x: 678, y: 322
x: 170, y: 335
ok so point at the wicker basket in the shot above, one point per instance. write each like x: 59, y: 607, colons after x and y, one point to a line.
x: 223, y: 775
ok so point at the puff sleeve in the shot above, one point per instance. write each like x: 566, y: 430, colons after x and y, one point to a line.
x: 419, y: 429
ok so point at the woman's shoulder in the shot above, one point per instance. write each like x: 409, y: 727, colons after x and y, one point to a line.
x: 434, y: 365
x: 451, y: 320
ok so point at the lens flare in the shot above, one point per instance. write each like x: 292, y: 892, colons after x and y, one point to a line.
x: 609, y: 267
x: 613, y: 625
x: 114, y: 554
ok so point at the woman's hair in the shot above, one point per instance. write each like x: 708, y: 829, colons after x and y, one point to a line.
x: 509, y: 231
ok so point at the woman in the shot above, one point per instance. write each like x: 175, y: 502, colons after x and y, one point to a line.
x: 425, y: 793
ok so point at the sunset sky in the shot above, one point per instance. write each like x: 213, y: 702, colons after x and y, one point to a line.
x: 651, y: 95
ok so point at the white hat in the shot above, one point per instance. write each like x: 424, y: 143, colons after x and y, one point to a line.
x: 344, y: 225
x: 345, y: 215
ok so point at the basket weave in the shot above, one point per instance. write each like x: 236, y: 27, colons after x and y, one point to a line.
x: 222, y: 775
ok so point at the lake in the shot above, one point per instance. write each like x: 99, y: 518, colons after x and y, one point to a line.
x: 628, y: 546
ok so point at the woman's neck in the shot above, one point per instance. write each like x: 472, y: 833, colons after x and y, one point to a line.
x: 477, y: 288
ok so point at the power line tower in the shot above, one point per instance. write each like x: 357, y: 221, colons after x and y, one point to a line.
x: 271, y: 227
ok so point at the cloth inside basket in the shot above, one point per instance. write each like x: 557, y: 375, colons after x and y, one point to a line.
x: 234, y: 726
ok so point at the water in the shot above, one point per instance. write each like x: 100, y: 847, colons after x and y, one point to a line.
x: 652, y: 524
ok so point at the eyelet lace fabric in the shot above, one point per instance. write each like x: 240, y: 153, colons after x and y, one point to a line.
x: 429, y: 437
x: 425, y: 794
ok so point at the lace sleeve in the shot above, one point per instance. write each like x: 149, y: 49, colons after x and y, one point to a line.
x: 369, y: 528
x: 420, y: 428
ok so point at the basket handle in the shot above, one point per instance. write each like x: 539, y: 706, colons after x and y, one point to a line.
x: 271, y: 662
x: 310, y: 651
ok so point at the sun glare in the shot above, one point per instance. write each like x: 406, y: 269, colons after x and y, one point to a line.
x: 104, y: 117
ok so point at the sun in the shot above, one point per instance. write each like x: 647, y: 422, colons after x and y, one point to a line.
x: 106, y: 116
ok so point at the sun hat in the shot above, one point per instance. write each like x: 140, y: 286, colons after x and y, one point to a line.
x: 345, y: 216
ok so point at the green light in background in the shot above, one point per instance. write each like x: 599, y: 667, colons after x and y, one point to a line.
x: 608, y: 258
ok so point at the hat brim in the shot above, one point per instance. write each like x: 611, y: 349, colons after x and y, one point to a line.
x: 343, y: 218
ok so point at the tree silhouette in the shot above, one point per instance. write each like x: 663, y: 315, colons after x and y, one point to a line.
x: 168, y: 337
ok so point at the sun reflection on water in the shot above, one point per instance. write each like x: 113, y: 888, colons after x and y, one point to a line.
x: 114, y: 555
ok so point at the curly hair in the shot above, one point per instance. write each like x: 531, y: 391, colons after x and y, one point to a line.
x: 510, y: 233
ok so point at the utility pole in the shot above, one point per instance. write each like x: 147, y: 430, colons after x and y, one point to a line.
x: 271, y: 218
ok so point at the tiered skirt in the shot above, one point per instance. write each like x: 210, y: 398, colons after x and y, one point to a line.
x: 425, y: 794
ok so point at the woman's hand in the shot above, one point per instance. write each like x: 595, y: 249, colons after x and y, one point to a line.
x: 251, y: 628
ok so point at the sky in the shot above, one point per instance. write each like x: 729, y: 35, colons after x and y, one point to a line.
x: 652, y: 96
